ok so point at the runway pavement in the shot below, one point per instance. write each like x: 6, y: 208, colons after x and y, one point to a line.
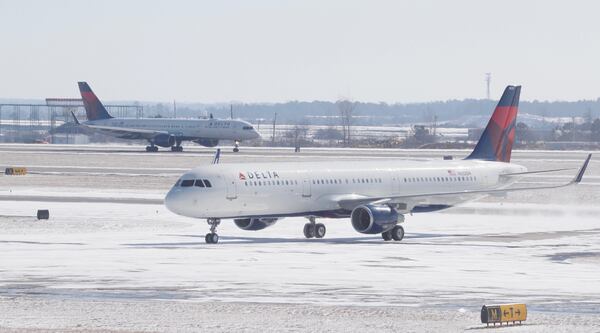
x: 109, y: 244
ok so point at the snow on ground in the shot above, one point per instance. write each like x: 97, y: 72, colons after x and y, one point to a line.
x: 104, y: 252
x: 111, y: 257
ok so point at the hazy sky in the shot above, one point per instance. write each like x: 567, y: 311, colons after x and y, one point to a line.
x: 276, y: 50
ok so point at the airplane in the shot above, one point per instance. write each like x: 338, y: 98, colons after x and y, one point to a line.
x: 375, y: 195
x: 163, y: 132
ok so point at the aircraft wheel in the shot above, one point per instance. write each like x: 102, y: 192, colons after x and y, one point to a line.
x: 397, y: 233
x: 211, y: 238
x: 320, y: 230
x: 309, y: 230
x: 387, y: 236
x: 236, y: 149
x: 148, y: 148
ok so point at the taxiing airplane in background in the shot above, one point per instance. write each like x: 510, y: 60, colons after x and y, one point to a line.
x: 163, y: 132
x: 376, y: 195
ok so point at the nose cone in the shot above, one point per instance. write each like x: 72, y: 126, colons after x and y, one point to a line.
x: 175, y: 202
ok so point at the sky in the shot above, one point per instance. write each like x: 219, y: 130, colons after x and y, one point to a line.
x: 278, y: 50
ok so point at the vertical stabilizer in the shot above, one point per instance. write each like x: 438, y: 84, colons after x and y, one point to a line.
x: 497, y: 139
x: 93, y: 107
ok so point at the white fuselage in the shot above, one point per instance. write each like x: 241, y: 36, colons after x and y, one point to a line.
x: 316, y: 188
x: 219, y: 129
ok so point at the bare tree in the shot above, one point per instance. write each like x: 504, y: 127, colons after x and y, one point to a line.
x: 346, y: 108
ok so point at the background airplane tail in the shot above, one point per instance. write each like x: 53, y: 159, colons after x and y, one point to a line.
x: 497, y: 139
x: 93, y: 107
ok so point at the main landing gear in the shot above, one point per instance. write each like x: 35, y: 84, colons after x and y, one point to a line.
x: 212, y: 237
x: 236, y: 146
x: 396, y: 233
x: 151, y: 148
x: 177, y: 147
x: 313, y: 229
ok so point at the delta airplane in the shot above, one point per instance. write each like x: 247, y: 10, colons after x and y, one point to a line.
x: 376, y: 195
x: 163, y: 132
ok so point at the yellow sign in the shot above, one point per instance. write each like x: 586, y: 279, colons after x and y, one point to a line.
x: 504, y: 313
x: 19, y: 171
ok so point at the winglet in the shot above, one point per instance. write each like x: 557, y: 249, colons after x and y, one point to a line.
x: 75, y: 118
x: 579, y: 176
x: 217, y: 156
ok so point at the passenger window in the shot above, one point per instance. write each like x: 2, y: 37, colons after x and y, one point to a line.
x: 199, y: 183
x: 207, y: 183
x: 187, y: 182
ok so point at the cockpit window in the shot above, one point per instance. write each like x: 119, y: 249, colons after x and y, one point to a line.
x: 247, y: 127
x: 207, y: 183
x: 199, y: 183
x: 187, y: 182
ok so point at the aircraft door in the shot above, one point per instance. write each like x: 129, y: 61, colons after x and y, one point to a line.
x: 395, y: 184
x: 231, y: 187
x: 306, y: 189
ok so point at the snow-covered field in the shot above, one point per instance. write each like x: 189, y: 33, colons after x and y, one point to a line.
x: 133, y: 266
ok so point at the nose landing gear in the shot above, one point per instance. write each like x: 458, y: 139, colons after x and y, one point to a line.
x: 236, y: 146
x: 212, y: 237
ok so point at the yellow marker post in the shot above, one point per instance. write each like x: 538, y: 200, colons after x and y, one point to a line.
x: 503, y: 313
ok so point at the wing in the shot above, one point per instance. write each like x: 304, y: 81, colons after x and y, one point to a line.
x: 533, y: 172
x: 351, y: 201
x: 125, y: 132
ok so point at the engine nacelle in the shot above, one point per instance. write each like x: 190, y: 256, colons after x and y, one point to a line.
x: 374, y: 219
x: 255, y: 223
x: 207, y: 142
x: 164, y: 140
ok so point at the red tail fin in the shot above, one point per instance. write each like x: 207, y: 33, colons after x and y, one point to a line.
x: 498, y: 137
x: 93, y: 107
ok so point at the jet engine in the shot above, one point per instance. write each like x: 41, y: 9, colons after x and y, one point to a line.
x: 164, y: 140
x: 207, y: 142
x: 255, y: 223
x: 374, y: 219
